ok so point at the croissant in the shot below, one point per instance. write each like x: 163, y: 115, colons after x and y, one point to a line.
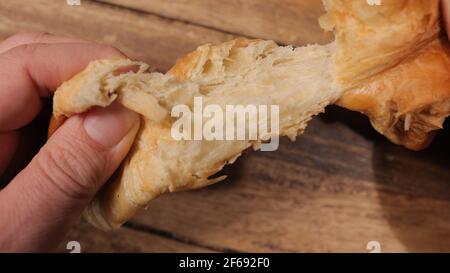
x: 387, y: 62
x: 396, y: 63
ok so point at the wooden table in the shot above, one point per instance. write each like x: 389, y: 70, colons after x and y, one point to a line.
x: 339, y: 186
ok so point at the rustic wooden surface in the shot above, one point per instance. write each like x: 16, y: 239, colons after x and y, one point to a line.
x: 286, y: 21
x: 339, y: 186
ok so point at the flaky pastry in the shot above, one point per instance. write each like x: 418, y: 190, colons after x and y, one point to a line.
x: 387, y: 62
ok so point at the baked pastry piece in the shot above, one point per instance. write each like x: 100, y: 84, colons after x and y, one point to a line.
x: 409, y: 102
x: 239, y: 72
x: 370, y: 64
x: 394, y: 65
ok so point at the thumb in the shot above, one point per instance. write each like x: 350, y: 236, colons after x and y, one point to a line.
x: 51, y: 192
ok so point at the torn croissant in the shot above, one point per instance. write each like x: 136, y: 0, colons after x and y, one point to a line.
x: 238, y: 72
x: 370, y: 68
x: 394, y: 65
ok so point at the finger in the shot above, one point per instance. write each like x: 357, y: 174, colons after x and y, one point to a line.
x: 26, y: 38
x: 35, y: 70
x: 50, y: 193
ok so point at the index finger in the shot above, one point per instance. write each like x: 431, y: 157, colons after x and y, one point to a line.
x: 30, y: 72
x: 26, y: 38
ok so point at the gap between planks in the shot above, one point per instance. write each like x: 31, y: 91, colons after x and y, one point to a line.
x: 176, y: 237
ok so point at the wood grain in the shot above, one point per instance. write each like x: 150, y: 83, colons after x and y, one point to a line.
x: 125, y: 240
x: 335, y: 189
x: 149, y: 38
x: 286, y: 21
x: 338, y: 187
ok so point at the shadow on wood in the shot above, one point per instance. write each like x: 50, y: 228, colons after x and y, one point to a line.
x: 413, y: 187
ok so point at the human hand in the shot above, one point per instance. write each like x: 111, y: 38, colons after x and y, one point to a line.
x: 39, y: 205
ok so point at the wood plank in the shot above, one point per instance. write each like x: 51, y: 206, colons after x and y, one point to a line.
x: 148, y: 38
x: 286, y: 21
x: 338, y: 187
x: 124, y: 240
x: 335, y: 189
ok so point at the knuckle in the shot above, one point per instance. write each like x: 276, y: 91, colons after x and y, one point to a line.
x: 73, y: 171
x: 39, y: 37
x: 27, y: 49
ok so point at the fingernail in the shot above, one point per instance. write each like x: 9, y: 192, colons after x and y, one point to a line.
x: 108, y: 126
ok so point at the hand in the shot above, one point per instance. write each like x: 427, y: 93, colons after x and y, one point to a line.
x: 39, y: 205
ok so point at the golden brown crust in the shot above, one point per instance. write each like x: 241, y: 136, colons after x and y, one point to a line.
x: 394, y: 65
x: 410, y: 101
x: 190, y: 64
x: 374, y: 38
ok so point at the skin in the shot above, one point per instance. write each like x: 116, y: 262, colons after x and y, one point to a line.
x: 46, y: 197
